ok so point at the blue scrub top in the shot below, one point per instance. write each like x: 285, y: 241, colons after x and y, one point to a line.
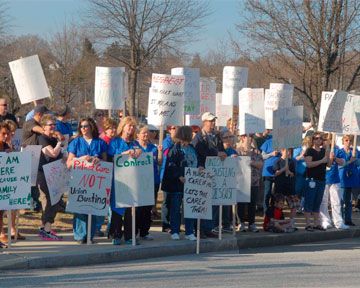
x: 167, y: 144
x: 64, y: 128
x: 152, y: 149
x: 332, y: 175
x: 349, y: 176
x: 267, y: 148
x: 79, y: 147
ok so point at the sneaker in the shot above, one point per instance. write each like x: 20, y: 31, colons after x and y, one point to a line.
x: 129, y: 242
x: 253, y: 228
x: 342, y: 226
x: 242, y: 227
x: 48, y: 236
x: 116, y: 241
x: 227, y: 230
x: 191, y: 237
x: 175, y: 236
x: 349, y: 223
x: 216, y: 230
x: 147, y: 237
x: 211, y: 234
x: 356, y: 209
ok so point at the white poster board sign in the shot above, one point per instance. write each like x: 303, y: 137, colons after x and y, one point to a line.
x: 29, y: 79
x: 166, y: 100
x: 287, y: 130
x: 15, y: 180
x: 223, y: 112
x: 109, y: 88
x: 134, y: 180
x: 332, y: 110
x: 243, y: 179
x: 251, y: 111
x: 234, y: 79
x: 90, y: 187
x: 224, y: 181
x: 351, y: 121
x: 275, y: 99
x: 57, y: 179
x: 197, y: 194
x: 282, y: 86
x: 35, y: 151
x: 207, y: 101
x: 192, y: 88
x: 16, y: 140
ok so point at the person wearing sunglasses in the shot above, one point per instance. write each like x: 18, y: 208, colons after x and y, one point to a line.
x: 51, y: 151
x: 86, y: 146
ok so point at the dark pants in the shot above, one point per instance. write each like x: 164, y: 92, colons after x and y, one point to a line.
x: 250, y: 206
x: 35, y: 194
x: 117, y: 223
x: 347, y: 215
x: 143, y: 220
x: 226, y: 216
x: 268, y: 185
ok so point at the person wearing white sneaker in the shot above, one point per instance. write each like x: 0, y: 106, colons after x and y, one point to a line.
x: 242, y: 227
x: 190, y: 237
x: 175, y: 236
x: 342, y: 227
x: 253, y: 228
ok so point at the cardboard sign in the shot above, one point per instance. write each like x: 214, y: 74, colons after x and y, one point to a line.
x: 16, y: 140
x: 90, y: 187
x: 166, y: 100
x: 243, y: 179
x: 29, y: 79
x: 134, y: 180
x: 275, y: 99
x: 35, y: 151
x: 192, y: 88
x: 15, y: 180
x: 207, y: 101
x: 197, y: 194
x: 332, y: 110
x: 234, y: 79
x: 287, y: 130
x: 57, y: 179
x: 224, y: 181
x: 109, y: 88
x: 282, y: 86
x: 223, y: 112
x: 251, y: 111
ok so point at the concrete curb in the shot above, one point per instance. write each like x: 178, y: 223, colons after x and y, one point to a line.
x: 171, y: 248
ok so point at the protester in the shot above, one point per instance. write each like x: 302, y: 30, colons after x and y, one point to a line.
x: 332, y: 189
x: 316, y: 160
x: 274, y: 220
x: 4, y: 114
x: 143, y: 215
x: 30, y: 115
x: 349, y: 177
x: 86, y: 146
x: 124, y: 144
x: 51, y: 151
x: 247, y: 147
x: 207, y: 142
x: 181, y: 155
x: 62, y: 122
x: 99, y: 117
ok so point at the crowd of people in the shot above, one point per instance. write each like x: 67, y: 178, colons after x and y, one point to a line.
x: 305, y: 178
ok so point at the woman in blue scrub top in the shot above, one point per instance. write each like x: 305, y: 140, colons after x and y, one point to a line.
x: 87, y: 146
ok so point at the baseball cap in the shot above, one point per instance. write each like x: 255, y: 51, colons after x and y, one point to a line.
x: 208, y: 116
x: 41, y: 109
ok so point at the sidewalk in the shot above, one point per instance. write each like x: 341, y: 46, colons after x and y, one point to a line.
x: 34, y: 253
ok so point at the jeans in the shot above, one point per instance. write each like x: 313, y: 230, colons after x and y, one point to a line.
x: 268, y: 185
x: 80, y: 226
x: 226, y: 215
x: 347, y: 192
x: 175, y: 199
x: 314, y: 196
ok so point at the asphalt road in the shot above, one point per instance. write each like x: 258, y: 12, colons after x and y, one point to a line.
x: 322, y: 264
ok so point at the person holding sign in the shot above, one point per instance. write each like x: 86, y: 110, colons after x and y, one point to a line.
x: 124, y: 144
x: 181, y: 155
x: 87, y: 146
x: 316, y: 160
x: 143, y: 215
x: 348, y: 176
x: 51, y: 151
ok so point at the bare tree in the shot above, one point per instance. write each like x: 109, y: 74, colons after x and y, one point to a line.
x: 313, y: 44
x: 4, y: 19
x: 142, y: 27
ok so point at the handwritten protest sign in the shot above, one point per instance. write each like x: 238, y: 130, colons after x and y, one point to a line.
x: 207, y: 101
x: 351, y: 110
x: 35, y: 151
x: 223, y: 112
x: 251, y: 111
x: 234, y: 79
x: 134, y: 180
x: 15, y: 184
x: 90, y: 187
x: 166, y: 100
x: 224, y: 181
x: 109, y: 88
x: 16, y: 140
x: 243, y: 179
x: 191, y: 89
x: 331, y: 111
x: 282, y: 86
x: 197, y: 194
x: 29, y: 79
x: 275, y: 99
x: 287, y: 130
x: 57, y: 179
